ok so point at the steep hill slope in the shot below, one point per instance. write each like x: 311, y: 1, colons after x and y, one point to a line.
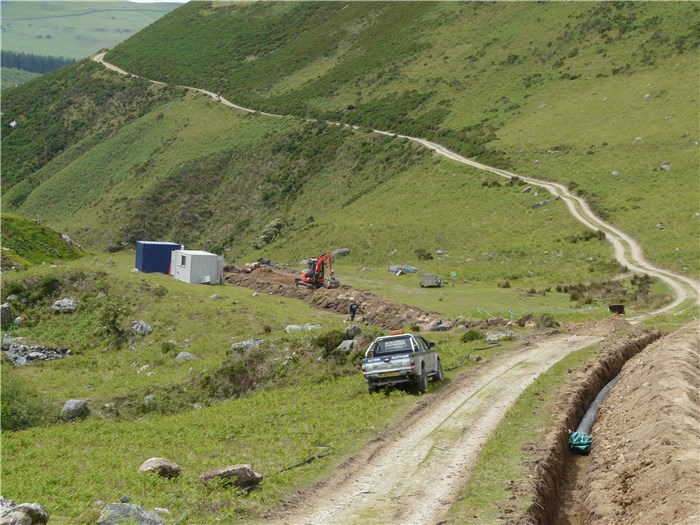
x: 597, y: 96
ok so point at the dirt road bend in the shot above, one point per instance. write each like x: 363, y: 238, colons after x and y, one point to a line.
x: 627, y: 251
x: 412, y: 473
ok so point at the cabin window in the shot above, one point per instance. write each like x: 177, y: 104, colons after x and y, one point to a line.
x: 184, y: 261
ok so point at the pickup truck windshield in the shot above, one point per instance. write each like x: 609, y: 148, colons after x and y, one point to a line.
x: 393, y: 346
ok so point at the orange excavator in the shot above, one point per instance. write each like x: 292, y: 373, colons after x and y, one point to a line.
x: 314, y: 276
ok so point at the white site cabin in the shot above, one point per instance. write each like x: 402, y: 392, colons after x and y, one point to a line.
x: 197, y: 267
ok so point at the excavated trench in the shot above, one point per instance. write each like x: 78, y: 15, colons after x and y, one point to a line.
x: 559, y: 473
x: 373, y: 309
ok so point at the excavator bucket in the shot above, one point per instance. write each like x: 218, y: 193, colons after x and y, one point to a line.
x: 333, y: 283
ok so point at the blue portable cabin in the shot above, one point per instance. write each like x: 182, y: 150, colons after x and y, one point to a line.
x: 153, y: 256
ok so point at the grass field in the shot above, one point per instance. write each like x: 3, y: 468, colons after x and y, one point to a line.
x: 74, y: 29
x: 14, y: 77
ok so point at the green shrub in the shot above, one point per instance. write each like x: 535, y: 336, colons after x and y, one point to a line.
x: 423, y: 255
x: 471, y: 335
x: 329, y: 341
x: 547, y: 321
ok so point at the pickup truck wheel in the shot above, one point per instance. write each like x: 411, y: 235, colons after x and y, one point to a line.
x: 371, y: 388
x: 439, y: 375
x: 422, y: 384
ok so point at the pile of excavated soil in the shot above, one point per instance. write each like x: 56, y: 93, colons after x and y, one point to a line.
x: 602, y: 327
x: 373, y: 309
x: 645, y: 462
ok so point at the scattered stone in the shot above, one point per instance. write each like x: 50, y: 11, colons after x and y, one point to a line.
x: 88, y: 387
x: 185, y: 356
x: 121, y: 513
x: 198, y: 406
x: 101, y: 295
x: 352, y: 331
x: 125, y: 499
x: 75, y: 409
x: 523, y: 321
x: 638, y: 139
x: 149, y: 399
x: 660, y: 226
x: 215, y: 296
x: 537, y: 161
x: 311, y: 326
x: 161, y: 466
x: 23, y: 514
x: 665, y: 166
x: 19, y: 321
x: 499, y: 336
x: 442, y: 252
x: 247, y: 344
x: 539, y: 204
x: 239, y: 475
x: 66, y: 305
x: 439, y: 326
x: 615, y: 173
x: 340, y: 252
x: 21, y: 354
x: 346, y: 346
x: 141, y: 328
x: 142, y: 369
x: 5, y: 316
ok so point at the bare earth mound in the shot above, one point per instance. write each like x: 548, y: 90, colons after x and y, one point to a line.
x: 645, y: 463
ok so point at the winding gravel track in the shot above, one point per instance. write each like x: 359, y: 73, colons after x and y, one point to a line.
x: 412, y: 474
x: 627, y: 251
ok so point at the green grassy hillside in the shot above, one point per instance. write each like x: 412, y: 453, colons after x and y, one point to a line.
x: 559, y: 91
x: 25, y: 242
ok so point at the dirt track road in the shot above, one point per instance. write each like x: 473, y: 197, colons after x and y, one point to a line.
x: 411, y: 475
x: 628, y: 252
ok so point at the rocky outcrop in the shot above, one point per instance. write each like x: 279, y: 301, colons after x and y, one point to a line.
x: 21, y: 354
x: 141, y: 328
x: 66, y: 305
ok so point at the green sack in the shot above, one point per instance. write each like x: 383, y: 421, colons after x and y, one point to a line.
x: 580, y: 443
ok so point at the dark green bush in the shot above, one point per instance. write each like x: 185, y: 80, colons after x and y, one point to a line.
x: 471, y: 335
x: 21, y: 406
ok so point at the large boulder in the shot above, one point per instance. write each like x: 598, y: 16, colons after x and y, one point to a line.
x: 75, y: 409
x: 346, y: 346
x: 24, y: 514
x: 239, y: 475
x: 161, y: 466
x: 340, y: 252
x: 67, y: 305
x: 123, y: 513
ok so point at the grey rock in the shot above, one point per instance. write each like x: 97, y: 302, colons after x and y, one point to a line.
x: 215, y: 296
x: 19, y: 321
x: 24, y: 514
x: 539, y: 204
x: 21, y: 354
x: 101, y: 295
x: 141, y: 327
x: 439, y: 326
x: 75, y: 409
x: 665, y: 166
x: 615, y: 173
x: 346, y: 346
x: 5, y: 316
x: 340, y: 252
x: 161, y: 466
x: 442, y: 252
x: 293, y: 328
x: 67, y: 305
x: 247, y: 344
x: 352, y: 331
x: 5, y: 505
x: 149, y: 399
x: 528, y: 189
x: 238, y: 475
x: 185, y: 356
x: 660, y: 226
x: 121, y: 513
x: 311, y: 326
x: 499, y: 336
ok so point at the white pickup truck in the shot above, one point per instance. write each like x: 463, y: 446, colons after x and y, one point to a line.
x: 401, y: 358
